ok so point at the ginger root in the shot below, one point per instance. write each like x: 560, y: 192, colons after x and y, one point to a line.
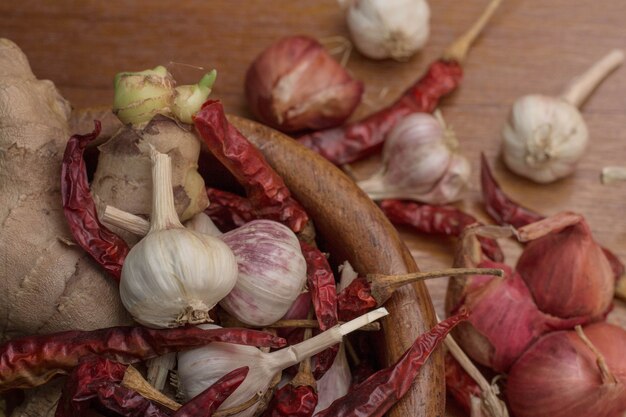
x: 46, y: 283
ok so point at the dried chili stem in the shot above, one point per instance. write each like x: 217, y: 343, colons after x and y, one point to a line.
x: 606, y: 375
x: 458, y: 50
x: 582, y: 86
x: 394, y: 281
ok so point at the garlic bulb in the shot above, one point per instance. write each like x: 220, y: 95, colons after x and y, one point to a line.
x: 200, y: 368
x: 174, y: 276
x: 272, y: 272
x: 545, y: 137
x: 271, y: 267
x: 389, y: 28
x: 420, y: 162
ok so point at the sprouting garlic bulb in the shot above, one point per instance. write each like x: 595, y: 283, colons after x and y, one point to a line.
x: 272, y: 272
x: 545, y: 137
x: 420, y: 162
x: 174, y: 276
x: 389, y: 28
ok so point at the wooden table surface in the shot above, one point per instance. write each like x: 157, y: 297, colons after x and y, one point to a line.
x: 531, y: 46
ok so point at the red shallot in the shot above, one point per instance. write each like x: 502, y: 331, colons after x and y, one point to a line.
x: 569, y: 373
x: 295, y: 84
x: 564, y: 267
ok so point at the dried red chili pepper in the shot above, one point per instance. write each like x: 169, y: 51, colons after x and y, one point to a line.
x: 354, y: 141
x: 321, y: 282
x: 126, y: 402
x: 437, y: 220
x: 104, y: 246
x: 83, y: 382
x: 377, y: 394
x: 460, y: 385
x: 227, y: 210
x: 506, y: 211
x: 31, y: 361
x: 292, y: 401
x: 209, y: 400
x: 265, y: 189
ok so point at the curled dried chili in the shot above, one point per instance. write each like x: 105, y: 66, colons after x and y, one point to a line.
x: 378, y: 393
x: 354, y: 141
x: 31, y: 361
x: 265, y: 189
x: 437, y: 220
x: 126, y: 402
x: 104, y: 246
x: 460, y: 385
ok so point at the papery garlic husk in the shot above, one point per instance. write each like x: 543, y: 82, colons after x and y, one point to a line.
x: 174, y: 276
x: 200, y: 368
x: 295, y: 84
x: 123, y: 176
x: 272, y: 272
x: 389, y: 28
x: 566, y: 269
x: 561, y: 376
x: 421, y: 163
x: 544, y: 138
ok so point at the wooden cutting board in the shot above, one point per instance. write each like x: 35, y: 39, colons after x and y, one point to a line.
x: 531, y: 46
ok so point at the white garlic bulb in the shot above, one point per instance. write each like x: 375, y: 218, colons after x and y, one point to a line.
x: 174, y: 276
x: 545, y: 137
x: 200, y: 368
x: 389, y: 28
x: 420, y: 162
x: 272, y: 272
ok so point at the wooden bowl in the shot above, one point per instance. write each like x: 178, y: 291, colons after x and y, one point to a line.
x: 354, y: 229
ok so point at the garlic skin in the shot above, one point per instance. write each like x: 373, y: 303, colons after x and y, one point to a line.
x: 544, y: 138
x: 272, y: 272
x: 384, y: 29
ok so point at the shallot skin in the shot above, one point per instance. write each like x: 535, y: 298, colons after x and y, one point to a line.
x: 568, y: 273
x: 295, y: 84
x: 558, y: 376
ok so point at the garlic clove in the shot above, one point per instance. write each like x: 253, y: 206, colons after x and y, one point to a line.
x: 389, y: 28
x: 544, y: 138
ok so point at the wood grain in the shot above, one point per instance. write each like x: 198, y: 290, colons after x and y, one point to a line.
x: 530, y: 46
